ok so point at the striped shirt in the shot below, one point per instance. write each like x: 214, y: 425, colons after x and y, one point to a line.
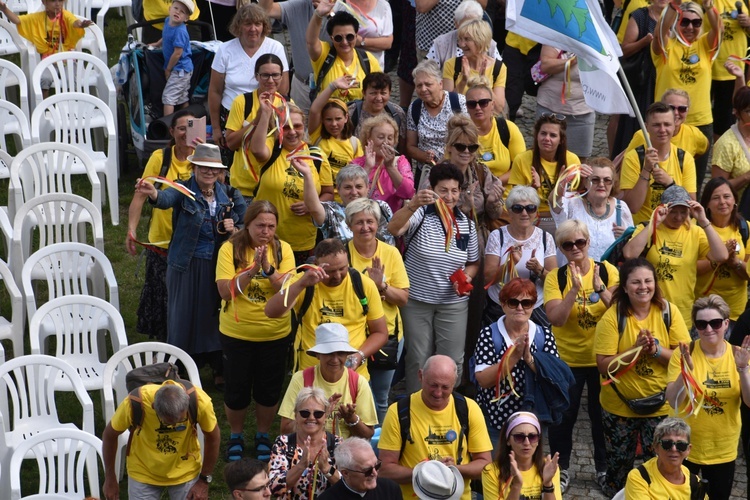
x: 427, y: 263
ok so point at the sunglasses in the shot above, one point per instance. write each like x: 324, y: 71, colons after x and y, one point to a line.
x: 697, y: 23
x: 482, y: 103
x: 554, y: 116
x: 317, y: 413
x: 517, y: 209
x: 568, y: 245
x: 368, y: 472
x: 525, y: 303
x: 667, y: 445
x: 679, y: 109
x: 258, y: 489
x: 595, y: 181
x: 702, y: 324
x: 520, y: 437
x: 463, y: 147
x: 176, y: 427
x: 349, y: 38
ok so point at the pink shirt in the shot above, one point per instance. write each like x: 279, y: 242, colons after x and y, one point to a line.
x: 385, y: 190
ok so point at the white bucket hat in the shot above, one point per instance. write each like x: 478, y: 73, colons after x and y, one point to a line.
x: 330, y: 338
x: 433, y: 480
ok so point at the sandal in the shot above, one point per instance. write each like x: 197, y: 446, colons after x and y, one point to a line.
x: 262, y: 447
x: 235, y: 449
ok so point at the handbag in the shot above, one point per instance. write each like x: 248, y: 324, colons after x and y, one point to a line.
x: 386, y: 358
x: 537, y: 75
x: 643, y: 406
x: 637, y: 66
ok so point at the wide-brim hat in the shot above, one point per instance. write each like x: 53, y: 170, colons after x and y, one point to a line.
x: 189, y: 5
x: 330, y: 338
x: 207, y: 155
x: 433, y: 480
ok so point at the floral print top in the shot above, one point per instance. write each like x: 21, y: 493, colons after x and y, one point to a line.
x: 283, y: 459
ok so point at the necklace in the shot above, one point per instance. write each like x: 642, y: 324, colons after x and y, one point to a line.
x: 207, y: 193
x: 593, y: 214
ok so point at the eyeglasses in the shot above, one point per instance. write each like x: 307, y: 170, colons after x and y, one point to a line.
x: 667, y: 445
x: 684, y: 23
x: 679, y: 109
x: 595, y: 181
x: 349, y: 38
x: 306, y: 413
x: 554, y: 116
x: 256, y: 490
x: 517, y: 209
x: 525, y: 303
x: 463, y: 147
x: 268, y: 76
x: 568, y: 245
x: 482, y: 103
x: 368, y: 471
x: 702, y: 324
x: 520, y: 437
x: 209, y: 170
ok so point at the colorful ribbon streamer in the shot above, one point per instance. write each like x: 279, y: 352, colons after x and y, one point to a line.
x: 651, y: 228
x: 504, y: 371
x: 286, y: 284
x: 613, y: 375
x: 176, y: 185
x: 570, y: 181
x: 151, y: 246
x: 449, y: 222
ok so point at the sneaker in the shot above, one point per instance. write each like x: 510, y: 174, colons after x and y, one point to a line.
x: 564, y: 480
x: 601, y: 479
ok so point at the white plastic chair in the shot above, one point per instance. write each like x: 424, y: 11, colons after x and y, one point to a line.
x: 12, y: 325
x: 76, y: 323
x: 5, y: 160
x: 63, y: 457
x: 134, y: 356
x: 27, y: 404
x: 93, y: 42
x: 18, y: 6
x: 13, y: 43
x: 12, y: 78
x: 14, y: 122
x: 74, y: 118
x: 55, y: 218
x: 48, y: 167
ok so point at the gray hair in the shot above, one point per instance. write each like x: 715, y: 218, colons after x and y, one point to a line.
x: 671, y: 425
x: 714, y: 302
x: 314, y: 393
x: 569, y: 228
x: 171, y: 402
x: 468, y: 9
x: 344, y: 453
x: 430, y: 68
x: 366, y: 205
x: 351, y: 172
x: 522, y: 193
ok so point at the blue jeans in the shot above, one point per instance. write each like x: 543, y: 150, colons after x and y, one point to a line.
x: 380, y: 384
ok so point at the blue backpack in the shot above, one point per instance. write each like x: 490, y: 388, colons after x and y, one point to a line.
x: 497, y: 341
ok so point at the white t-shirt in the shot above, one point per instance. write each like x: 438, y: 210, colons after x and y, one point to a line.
x: 239, y: 69
x: 382, y: 26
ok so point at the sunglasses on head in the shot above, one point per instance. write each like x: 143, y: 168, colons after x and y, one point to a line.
x: 568, y: 245
x: 525, y: 303
x: 553, y: 116
x: 702, y: 324
x: 697, y: 23
x: 520, y: 437
x: 517, y: 209
x: 463, y: 147
x: 317, y: 413
x: 368, y: 471
x: 349, y: 38
x: 667, y: 445
x: 482, y: 103
x: 679, y: 109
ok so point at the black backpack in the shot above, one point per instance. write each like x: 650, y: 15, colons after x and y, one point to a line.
x: 495, y: 70
x: 462, y: 412
x: 390, y: 108
x: 416, y: 107
x: 361, y: 54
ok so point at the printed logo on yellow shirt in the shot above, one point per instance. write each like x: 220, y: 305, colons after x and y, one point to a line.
x: 439, y: 435
x: 255, y: 294
x: 291, y: 190
x: 332, y: 309
x: 729, y: 26
x: 585, y: 319
x: 164, y: 443
x: 688, y: 71
x: 643, y: 367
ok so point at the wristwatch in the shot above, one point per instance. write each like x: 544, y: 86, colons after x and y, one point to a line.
x: 602, y: 288
x: 208, y: 479
x: 658, y: 348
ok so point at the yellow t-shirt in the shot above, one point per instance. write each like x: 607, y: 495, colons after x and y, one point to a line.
x: 727, y: 284
x: 430, y: 429
x: 365, y: 402
x: 339, y: 69
x: 253, y: 324
x: 240, y: 175
x: 632, y: 5
x: 689, y: 69
x: 520, y: 174
x: 283, y: 186
x: 637, y: 488
x: 719, y: 379
x: 338, y: 152
x: 532, y: 483
x: 674, y: 256
x: 632, y: 168
x: 648, y: 377
x: 449, y: 69
x: 689, y: 138
x: 575, y: 339
x: 394, y: 275
x: 160, y: 10
x: 729, y: 156
x: 518, y: 42
x: 163, y: 457
x: 494, y: 154
x: 160, y: 230
x: 338, y: 305
x: 39, y: 29
x: 733, y: 38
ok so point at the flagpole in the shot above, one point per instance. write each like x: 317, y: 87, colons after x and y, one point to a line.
x: 631, y: 98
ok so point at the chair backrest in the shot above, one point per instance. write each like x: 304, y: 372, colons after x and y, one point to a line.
x: 13, y: 79
x: 18, y: 6
x: 48, y: 167
x: 93, y: 41
x: 5, y: 161
x: 68, y: 460
x: 13, y: 43
x: 68, y: 269
x: 83, y: 8
x: 75, y: 72
x: 15, y: 123
x: 12, y: 325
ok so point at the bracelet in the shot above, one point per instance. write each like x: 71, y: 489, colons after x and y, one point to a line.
x: 332, y: 86
x: 704, y: 227
x: 356, y: 422
x: 548, y: 489
x: 319, y: 16
x: 268, y: 274
x: 385, y: 289
x: 657, y: 353
x: 364, y: 358
x: 671, y: 184
x: 743, y: 369
x: 331, y: 472
x: 647, y: 179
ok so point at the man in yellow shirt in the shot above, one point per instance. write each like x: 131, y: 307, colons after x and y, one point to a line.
x: 435, y: 430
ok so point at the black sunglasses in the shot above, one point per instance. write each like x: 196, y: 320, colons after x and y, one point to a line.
x: 517, y: 209
x: 520, y: 437
x: 306, y: 413
x: 463, y: 147
x: 525, y: 303
x: 568, y: 245
x: 680, y: 109
x: 667, y: 445
x: 368, y: 471
x: 697, y: 23
x: 482, y: 103
x: 340, y: 38
x: 702, y: 324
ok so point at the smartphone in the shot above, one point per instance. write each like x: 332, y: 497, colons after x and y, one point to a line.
x: 196, y: 128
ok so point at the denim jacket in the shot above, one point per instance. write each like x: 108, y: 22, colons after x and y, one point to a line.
x: 188, y: 215
x: 547, y: 391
